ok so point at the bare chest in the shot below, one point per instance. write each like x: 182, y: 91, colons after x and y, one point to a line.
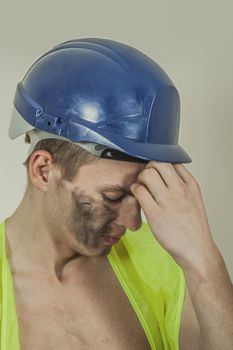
x: 91, y: 311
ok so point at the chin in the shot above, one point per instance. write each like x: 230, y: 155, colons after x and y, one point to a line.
x: 98, y: 251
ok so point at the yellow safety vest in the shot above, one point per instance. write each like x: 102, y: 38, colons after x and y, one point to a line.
x: 151, y: 279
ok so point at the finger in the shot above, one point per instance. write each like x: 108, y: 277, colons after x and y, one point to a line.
x: 145, y: 199
x: 154, y: 183
x: 191, y: 182
x: 167, y: 172
x: 184, y: 173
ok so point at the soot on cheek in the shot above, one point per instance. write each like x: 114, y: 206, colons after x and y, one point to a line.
x: 90, y: 218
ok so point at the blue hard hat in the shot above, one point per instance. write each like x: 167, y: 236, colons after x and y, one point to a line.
x: 104, y: 92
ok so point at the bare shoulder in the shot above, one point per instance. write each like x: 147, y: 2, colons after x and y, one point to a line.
x: 189, y: 329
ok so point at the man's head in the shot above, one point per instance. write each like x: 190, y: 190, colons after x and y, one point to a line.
x: 105, y: 93
x: 82, y: 197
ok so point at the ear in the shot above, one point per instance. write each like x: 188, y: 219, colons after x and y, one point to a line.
x: 40, y: 170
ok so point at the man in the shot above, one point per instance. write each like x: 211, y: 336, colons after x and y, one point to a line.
x: 102, y: 120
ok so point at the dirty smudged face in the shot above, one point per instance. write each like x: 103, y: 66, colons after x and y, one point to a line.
x: 90, y: 219
x: 97, y: 202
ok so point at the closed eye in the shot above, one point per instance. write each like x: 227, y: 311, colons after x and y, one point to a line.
x: 114, y: 200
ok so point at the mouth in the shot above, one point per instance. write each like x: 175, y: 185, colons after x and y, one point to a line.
x: 108, y: 240
x: 112, y: 239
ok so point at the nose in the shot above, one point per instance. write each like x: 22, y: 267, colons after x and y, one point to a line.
x: 129, y: 215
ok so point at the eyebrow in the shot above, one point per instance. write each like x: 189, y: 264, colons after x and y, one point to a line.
x: 117, y: 188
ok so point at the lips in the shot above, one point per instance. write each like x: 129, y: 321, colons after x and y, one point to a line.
x: 111, y: 239
x: 117, y: 236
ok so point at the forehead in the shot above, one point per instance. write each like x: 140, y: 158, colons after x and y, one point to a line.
x: 107, y: 171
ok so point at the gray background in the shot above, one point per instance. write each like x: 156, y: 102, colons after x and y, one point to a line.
x: 191, y: 40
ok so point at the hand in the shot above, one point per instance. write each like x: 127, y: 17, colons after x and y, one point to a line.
x: 173, y: 205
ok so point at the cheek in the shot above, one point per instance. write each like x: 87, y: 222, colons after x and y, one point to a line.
x: 58, y: 208
x: 89, y: 215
